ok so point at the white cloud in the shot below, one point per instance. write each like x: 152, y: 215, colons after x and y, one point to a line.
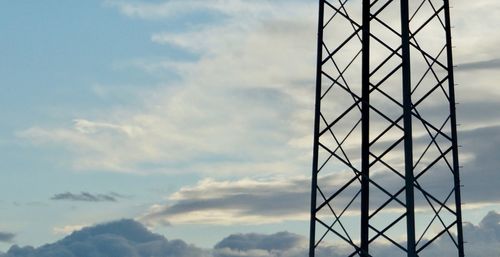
x: 244, y: 107
x: 90, y: 127
x: 229, y: 113
x: 174, y: 8
x: 68, y: 229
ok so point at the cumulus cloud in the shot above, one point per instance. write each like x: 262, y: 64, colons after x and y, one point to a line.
x: 124, y: 238
x: 279, y: 244
x: 86, y: 197
x: 483, y: 240
x: 131, y: 239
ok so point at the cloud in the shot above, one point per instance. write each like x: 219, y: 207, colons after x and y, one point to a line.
x: 244, y: 106
x: 473, y: 41
x: 174, y: 8
x: 278, y: 241
x: 164, y: 10
x: 130, y: 238
x: 86, y: 197
x: 67, y: 229
x: 481, y: 145
x: 488, y: 64
x: 115, y: 239
x: 6, y: 237
x: 476, y: 55
x: 242, y: 245
x: 246, y: 201
x: 224, y: 99
x: 268, y: 200
x: 90, y: 127
x: 483, y: 240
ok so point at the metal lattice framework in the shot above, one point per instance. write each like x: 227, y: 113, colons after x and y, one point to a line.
x: 385, y: 164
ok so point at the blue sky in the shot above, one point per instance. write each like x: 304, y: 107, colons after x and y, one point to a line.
x: 161, y: 104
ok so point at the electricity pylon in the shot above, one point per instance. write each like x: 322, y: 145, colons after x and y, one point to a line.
x: 385, y: 158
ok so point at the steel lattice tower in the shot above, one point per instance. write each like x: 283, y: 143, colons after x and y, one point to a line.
x: 385, y: 158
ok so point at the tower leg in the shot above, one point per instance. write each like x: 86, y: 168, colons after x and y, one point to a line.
x: 365, y: 133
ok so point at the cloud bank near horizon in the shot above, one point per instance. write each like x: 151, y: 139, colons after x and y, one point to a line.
x: 131, y: 239
x: 124, y: 238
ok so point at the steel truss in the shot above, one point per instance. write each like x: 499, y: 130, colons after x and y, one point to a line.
x: 385, y: 157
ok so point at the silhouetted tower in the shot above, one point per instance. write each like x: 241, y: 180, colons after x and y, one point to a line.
x: 385, y: 164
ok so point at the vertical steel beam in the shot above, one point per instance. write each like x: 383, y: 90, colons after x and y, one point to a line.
x: 344, y: 81
x: 317, y: 113
x: 365, y: 130
x: 453, y: 120
x: 408, y: 137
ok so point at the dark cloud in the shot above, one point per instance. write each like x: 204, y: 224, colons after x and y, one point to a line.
x: 87, y: 197
x: 481, y: 65
x: 244, y: 242
x: 6, y: 237
x: 124, y: 238
x: 479, y: 113
x: 249, y: 245
x: 238, y: 201
x: 483, y: 240
x: 480, y: 174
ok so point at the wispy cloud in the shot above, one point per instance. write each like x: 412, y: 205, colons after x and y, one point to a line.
x: 163, y: 10
x: 228, y: 107
x: 86, y: 197
x: 244, y: 108
x: 174, y: 8
x: 92, y: 127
